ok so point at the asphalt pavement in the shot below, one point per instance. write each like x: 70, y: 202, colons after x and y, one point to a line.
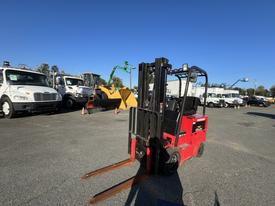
x: 42, y: 158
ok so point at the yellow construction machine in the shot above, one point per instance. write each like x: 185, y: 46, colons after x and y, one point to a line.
x: 122, y: 98
x: 110, y: 97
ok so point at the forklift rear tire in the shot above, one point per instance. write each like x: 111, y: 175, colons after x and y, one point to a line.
x: 169, y: 162
x: 200, y: 150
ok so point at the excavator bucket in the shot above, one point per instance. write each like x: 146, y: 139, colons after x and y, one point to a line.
x: 128, y: 98
x: 111, y: 98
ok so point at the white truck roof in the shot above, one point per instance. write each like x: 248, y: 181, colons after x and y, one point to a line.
x: 73, y: 77
x: 17, y: 69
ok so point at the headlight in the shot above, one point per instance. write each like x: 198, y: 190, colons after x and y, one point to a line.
x: 17, y: 97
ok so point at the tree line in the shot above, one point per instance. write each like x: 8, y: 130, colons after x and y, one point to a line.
x: 260, y: 90
x: 47, y: 70
x: 118, y: 82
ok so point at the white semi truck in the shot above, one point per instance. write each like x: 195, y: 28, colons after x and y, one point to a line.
x: 72, y: 90
x: 213, y: 100
x: 231, y: 99
x: 23, y: 90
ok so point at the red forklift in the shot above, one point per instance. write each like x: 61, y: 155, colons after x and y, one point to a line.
x: 164, y: 131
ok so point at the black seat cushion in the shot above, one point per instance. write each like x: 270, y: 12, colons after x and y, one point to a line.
x: 191, y: 105
x: 171, y: 115
x: 171, y: 105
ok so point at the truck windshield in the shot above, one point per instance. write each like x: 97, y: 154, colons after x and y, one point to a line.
x: 15, y: 77
x: 235, y: 95
x: 212, y: 95
x: 74, y: 82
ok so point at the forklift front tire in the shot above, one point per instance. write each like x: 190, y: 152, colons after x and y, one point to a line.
x: 170, y: 166
x: 200, y: 150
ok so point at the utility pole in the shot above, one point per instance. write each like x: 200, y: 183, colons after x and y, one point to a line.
x: 130, y: 72
x: 131, y: 76
x: 255, y: 85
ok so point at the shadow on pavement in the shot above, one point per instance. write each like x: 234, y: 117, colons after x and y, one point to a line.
x: 216, y: 201
x: 45, y: 113
x: 157, y: 190
x: 271, y: 116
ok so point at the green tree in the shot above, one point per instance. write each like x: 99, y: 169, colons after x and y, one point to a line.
x: 117, y: 82
x: 102, y: 81
x: 223, y: 85
x: 241, y: 91
x: 55, y: 69
x: 250, y: 91
x: 272, y: 91
x: 63, y: 72
x: 135, y: 88
x: 261, y: 91
x: 44, y: 68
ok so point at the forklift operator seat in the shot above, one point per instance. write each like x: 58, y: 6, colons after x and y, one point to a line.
x: 191, y: 105
x: 171, y: 113
x: 172, y: 105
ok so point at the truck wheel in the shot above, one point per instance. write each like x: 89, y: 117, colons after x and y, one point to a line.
x: 210, y: 104
x: 200, y: 150
x: 226, y: 104
x: 169, y: 162
x: 7, y: 108
x: 69, y: 103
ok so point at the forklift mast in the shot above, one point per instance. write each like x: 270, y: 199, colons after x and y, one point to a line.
x: 151, y: 105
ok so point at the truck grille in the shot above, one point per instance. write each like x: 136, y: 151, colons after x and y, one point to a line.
x: 45, y: 96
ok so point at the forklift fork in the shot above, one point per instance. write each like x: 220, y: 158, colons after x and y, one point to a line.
x: 131, y: 182
x: 108, y: 168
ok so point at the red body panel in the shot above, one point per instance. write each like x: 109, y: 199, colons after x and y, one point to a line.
x: 195, y: 129
x: 133, y: 148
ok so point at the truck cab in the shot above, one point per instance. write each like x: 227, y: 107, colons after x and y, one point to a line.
x: 232, y: 99
x: 213, y: 100
x: 24, y: 90
x: 72, y: 90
